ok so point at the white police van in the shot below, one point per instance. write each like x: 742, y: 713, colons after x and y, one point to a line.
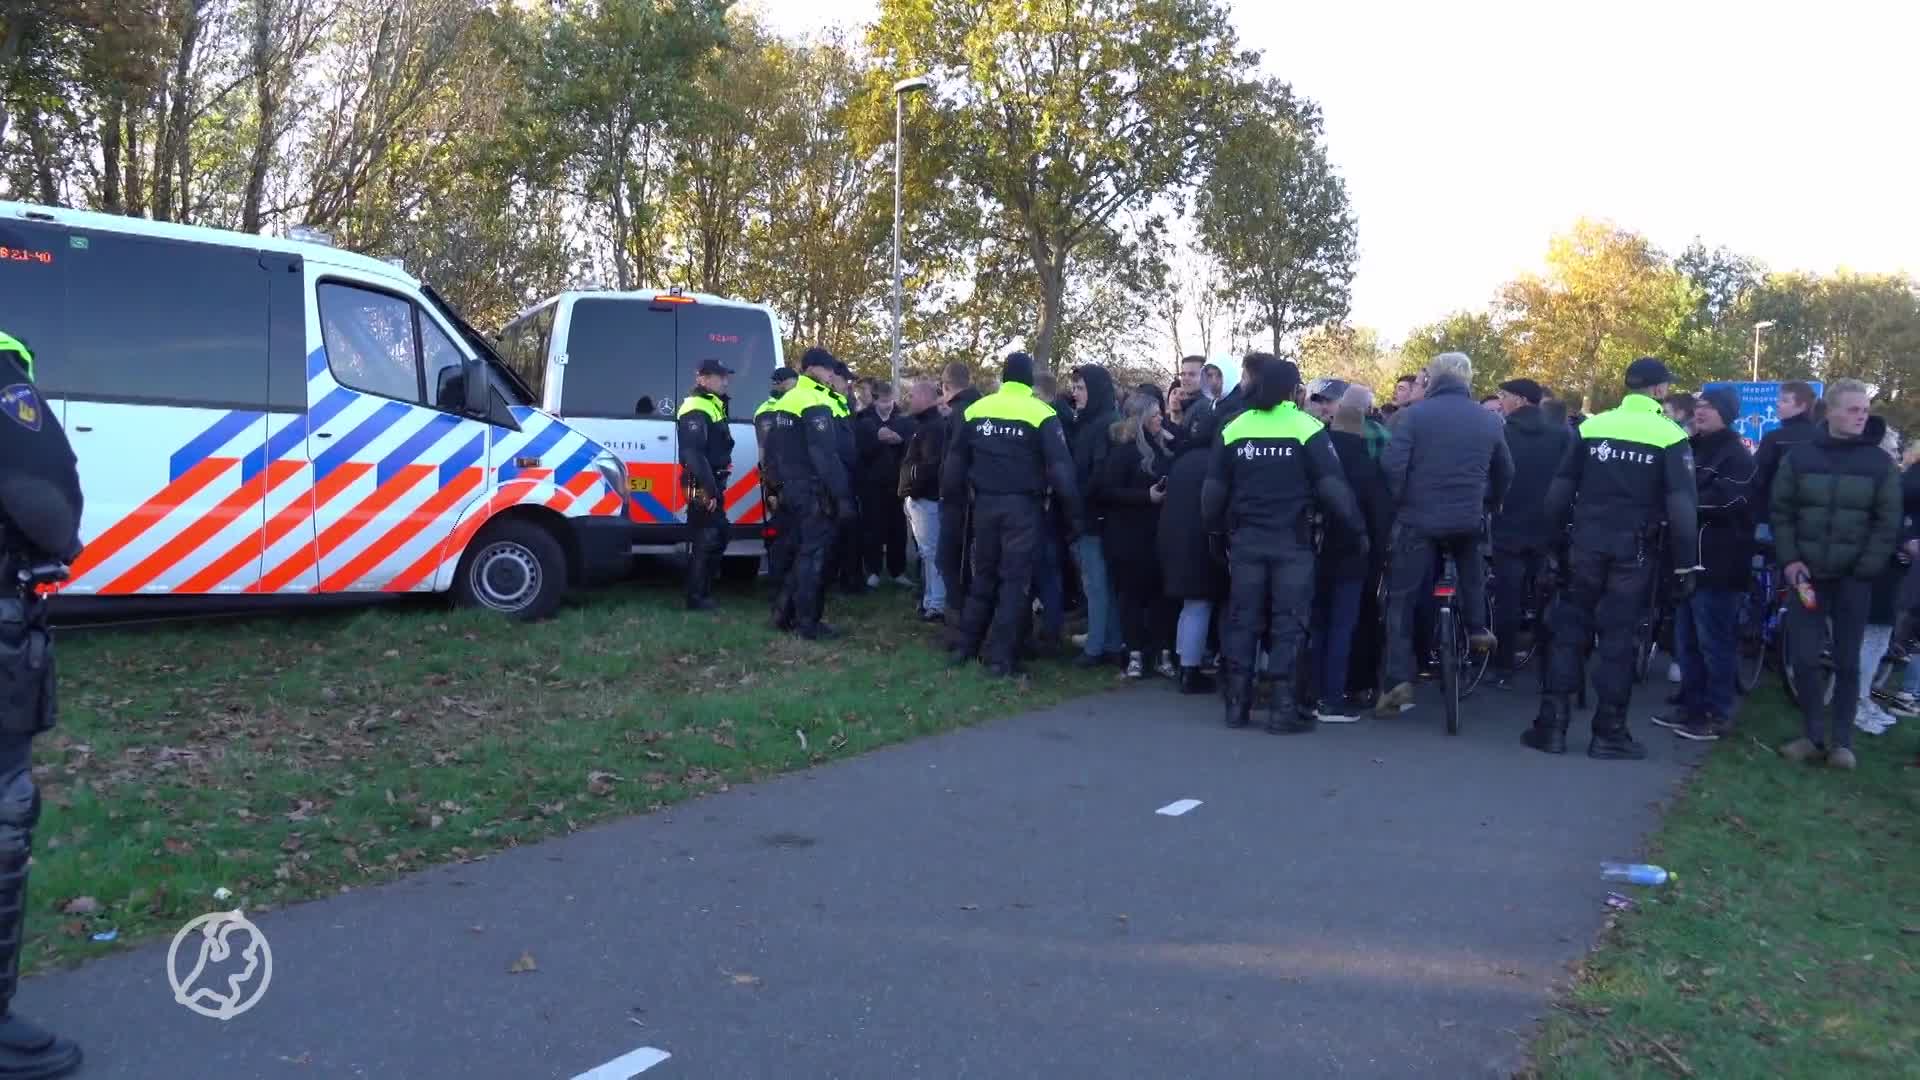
x: 616, y: 365
x: 274, y: 418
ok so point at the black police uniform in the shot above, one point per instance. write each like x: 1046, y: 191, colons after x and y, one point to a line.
x: 1005, y: 451
x: 706, y: 462
x: 1270, y: 465
x: 764, y: 421
x: 40, y: 506
x: 1629, y: 471
x: 844, y: 562
x: 815, y: 496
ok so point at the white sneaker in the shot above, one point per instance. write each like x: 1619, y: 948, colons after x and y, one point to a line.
x: 873, y: 581
x: 1079, y: 641
x: 1673, y: 673
x: 1872, y: 719
x: 1136, y: 667
x: 1903, y: 704
x: 903, y: 581
x: 1166, y: 667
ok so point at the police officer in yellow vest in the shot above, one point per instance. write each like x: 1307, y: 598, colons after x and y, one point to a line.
x: 1270, y: 466
x: 1005, y: 451
x: 706, y: 461
x: 40, y: 507
x: 815, y: 496
x: 1629, y: 470
x: 764, y: 419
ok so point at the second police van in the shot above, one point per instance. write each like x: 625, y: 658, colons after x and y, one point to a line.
x: 270, y: 418
x: 617, y: 364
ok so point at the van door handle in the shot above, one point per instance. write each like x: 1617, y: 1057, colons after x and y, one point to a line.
x: 83, y: 429
x: 323, y: 434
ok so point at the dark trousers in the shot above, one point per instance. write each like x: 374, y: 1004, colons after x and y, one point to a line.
x: 955, y: 566
x: 1369, y: 639
x: 1049, y: 581
x: 807, y: 537
x: 844, y: 560
x: 1512, y: 570
x: 1705, y: 640
x: 1842, y: 604
x: 1141, y: 596
x: 1336, y: 615
x: 1006, y: 531
x: 1411, y: 575
x: 883, y: 534
x: 706, y: 545
x: 1607, y: 585
x: 1270, y: 597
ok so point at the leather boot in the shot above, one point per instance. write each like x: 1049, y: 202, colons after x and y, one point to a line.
x: 1285, y: 716
x: 26, y: 1050
x: 1239, y: 701
x: 1611, y: 739
x: 1549, y: 731
x: 1193, y: 682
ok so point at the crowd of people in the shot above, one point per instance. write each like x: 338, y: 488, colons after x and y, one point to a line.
x: 1279, y: 543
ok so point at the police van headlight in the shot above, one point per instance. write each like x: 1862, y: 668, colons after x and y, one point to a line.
x: 612, y: 470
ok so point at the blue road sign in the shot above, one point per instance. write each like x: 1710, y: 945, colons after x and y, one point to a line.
x: 1759, y: 408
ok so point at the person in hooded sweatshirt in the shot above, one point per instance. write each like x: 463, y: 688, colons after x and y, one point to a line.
x: 1521, y: 538
x: 1836, y: 515
x: 1092, y: 390
x: 1706, y: 629
x: 1189, y: 572
x: 1796, y: 409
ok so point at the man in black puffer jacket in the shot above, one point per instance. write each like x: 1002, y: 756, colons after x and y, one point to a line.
x: 1836, y: 514
x: 1090, y: 443
x: 1448, y: 468
x: 1704, y: 631
x: 1521, y: 537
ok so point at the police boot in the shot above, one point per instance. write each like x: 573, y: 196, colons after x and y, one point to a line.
x: 1284, y: 714
x: 1549, y: 731
x: 1611, y: 739
x: 1193, y: 682
x: 26, y: 1051
x: 1239, y: 695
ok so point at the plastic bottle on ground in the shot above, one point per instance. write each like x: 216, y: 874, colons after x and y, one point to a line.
x: 1634, y: 873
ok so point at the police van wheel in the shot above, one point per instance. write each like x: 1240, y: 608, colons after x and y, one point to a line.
x: 516, y: 568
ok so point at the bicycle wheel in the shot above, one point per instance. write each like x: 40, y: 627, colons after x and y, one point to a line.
x: 1792, y: 679
x: 1750, y: 641
x: 1643, y: 645
x: 1449, y: 637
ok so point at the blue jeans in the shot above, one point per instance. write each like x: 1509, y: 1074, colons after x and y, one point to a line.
x: 1196, y: 616
x: 1103, y: 616
x: 1704, y: 634
x: 1049, y: 581
x: 1336, y: 619
x: 923, y: 519
x: 1912, y: 685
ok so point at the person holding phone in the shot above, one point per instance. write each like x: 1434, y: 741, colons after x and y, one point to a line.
x: 1129, y: 489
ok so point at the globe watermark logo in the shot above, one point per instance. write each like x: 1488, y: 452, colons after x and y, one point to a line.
x: 235, y: 973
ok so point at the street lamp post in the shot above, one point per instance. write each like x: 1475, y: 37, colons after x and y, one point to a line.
x: 1764, y: 324
x: 900, y: 91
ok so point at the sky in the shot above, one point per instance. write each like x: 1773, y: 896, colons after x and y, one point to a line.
x: 1469, y: 133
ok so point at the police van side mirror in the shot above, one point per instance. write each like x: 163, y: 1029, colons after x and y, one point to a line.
x: 477, y: 394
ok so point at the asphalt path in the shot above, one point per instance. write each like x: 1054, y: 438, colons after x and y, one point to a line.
x: 1376, y: 899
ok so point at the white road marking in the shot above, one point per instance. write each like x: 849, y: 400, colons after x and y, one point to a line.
x: 1175, y: 809
x: 626, y: 1066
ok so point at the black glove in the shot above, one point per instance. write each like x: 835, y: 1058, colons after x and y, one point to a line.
x: 1684, y: 583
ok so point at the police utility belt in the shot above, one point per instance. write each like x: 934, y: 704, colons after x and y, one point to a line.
x: 26, y: 646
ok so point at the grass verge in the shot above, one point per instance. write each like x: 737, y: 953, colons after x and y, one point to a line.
x: 1787, y: 946
x: 289, y: 758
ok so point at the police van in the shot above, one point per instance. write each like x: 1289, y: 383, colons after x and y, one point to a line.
x: 272, y: 418
x: 616, y: 364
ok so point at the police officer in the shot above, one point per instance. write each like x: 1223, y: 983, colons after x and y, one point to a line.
x: 764, y: 418
x: 815, y: 496
x: 1005, y: 452
x: 40, y: 507
x: 706, y: 460
x: 1270, y: 466
x: 843, y: 563
x: 1629, y: 470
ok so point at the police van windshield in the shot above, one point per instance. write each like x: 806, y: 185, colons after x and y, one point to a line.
x: 741, y: 338
x: 510, y: 385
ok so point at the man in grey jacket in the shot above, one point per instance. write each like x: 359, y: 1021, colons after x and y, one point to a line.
x: 1447, y: 468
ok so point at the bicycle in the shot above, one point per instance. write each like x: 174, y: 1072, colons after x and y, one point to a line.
x: 1757, y: 623
x: 1461, y: 669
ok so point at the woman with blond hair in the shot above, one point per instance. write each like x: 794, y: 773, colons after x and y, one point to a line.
x: 1128, y: 489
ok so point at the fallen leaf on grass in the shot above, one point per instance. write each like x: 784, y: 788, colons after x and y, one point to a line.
x: 600, y: 783
x: 524, y: 964
x: 802, y: 736
x: 176, y: 847
x: 81, y: 905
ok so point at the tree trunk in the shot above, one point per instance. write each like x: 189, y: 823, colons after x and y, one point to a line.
x: 9, y: 50
x: 170, y: 149
x: 30, y: 121
x: 133, y: 185
x: 110, y: 154
x: 268, y: 106
x: 1053, y: 291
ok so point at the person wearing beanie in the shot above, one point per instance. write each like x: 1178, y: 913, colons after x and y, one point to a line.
x: 1272, y: 464
x: 816, y: 497
x: 1705, y: 632
x: 1521, y: 538
x: 1629, y: 473
x: 1007, y: 452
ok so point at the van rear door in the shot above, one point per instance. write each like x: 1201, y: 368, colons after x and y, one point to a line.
x: 742, y: 338
x: 33, y: 301
x: 620, y: 385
